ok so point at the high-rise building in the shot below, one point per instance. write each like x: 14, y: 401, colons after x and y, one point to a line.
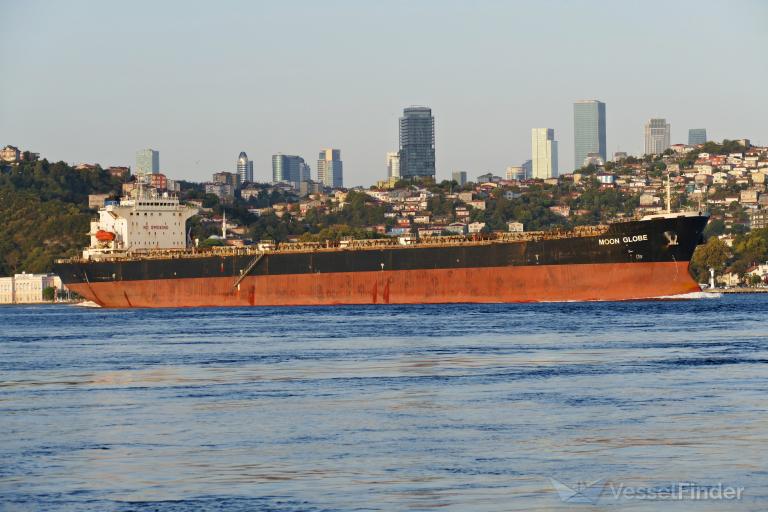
x: 244, y: 168
x: 697, y: 136
x: 527, y: 168
x: 460, y: 177
x: 393, y: 164
x: 515, y: 172
x: 290, y: 169
x: 543, y: 153
x: 588, y: 130
x: 656, y: 136
x: 147, y: 162
x: 330, y: 168
x: 417, y: 142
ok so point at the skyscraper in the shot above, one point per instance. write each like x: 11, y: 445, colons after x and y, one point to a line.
x: 417, y: 142
x: 330, y: 168
x: 656, y: 136
x: 697, y: 136
x: 289, y: 169
x: 147, y: 162
x: 244, y: 168
x: 588, y: 130
x: 543, y: 153
x: 527, y: 168
x: 393, y: 164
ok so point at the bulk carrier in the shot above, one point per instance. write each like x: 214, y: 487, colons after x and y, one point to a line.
x: 139, y: 256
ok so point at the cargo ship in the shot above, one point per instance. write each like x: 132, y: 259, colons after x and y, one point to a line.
x: 140, y: 257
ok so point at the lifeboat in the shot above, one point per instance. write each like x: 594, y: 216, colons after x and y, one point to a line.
x: 104, y: 236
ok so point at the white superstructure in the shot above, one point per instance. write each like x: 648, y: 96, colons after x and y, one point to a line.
x: 149, y: 221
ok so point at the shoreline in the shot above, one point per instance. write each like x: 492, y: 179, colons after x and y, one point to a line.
x: 736, y: 290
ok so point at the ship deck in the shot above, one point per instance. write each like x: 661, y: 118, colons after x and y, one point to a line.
x: 348, y: 245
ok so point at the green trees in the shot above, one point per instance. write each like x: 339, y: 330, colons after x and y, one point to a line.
x: 714, y: 254
x: 33, y: 232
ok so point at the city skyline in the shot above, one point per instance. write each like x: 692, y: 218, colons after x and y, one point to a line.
x: 166, y: 81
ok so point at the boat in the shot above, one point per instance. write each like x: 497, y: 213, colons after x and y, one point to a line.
x: 150, y: 263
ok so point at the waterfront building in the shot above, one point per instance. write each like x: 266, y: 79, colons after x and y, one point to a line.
x: 244, y: 168
x: 393, y: 164
x: 291, y: 169
x: 330, y: 168
x: 657, y: 136
x: 147, y: 162
x: 543, y: 153
x: 588, y: 131
x: 27, y: 288
x: 460, y: 177
x: 417, y: 143
x: 697, y: 136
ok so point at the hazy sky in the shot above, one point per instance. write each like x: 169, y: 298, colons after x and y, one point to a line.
x: 93, y: 81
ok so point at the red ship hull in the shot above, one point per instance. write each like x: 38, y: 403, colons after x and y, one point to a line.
x: 540, y: 283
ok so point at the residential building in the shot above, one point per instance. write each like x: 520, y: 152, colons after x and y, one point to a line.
x: 620, y: 155
x: 10, y: 154
x: 417, y: 142
x: 543, y: 153
x: 758, y: 219
x: 393, y: 164
x: 147, y: 162
x: 330, y: 168
x: 459, y: 177
x: 657, y: 136
x: 224, y: 191
x: 244, y: 168
x: 697, y: 136
x: 291, y: 169
x: 226, y: 178
x: 588, y: 131
x: 96, y: 201
x: 158, y: 181
x: 119, y: 171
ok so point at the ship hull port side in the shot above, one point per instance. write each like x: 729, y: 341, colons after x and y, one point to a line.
x: 631, y: 260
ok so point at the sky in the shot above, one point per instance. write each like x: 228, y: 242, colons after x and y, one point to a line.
x: 94, y: 81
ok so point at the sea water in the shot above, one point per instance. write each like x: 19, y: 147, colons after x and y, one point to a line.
x: 450, y: 407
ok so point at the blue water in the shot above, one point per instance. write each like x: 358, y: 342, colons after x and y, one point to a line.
x: 460, y: 407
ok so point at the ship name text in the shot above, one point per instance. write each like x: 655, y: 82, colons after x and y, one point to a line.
x: 626, y: 240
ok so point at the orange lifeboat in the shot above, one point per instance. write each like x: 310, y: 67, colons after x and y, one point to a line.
x: 104, y: 236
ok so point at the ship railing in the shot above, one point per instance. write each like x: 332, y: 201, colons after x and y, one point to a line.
x: 329, y: 245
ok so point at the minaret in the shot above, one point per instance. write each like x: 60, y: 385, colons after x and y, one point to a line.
x: 224, y: 225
